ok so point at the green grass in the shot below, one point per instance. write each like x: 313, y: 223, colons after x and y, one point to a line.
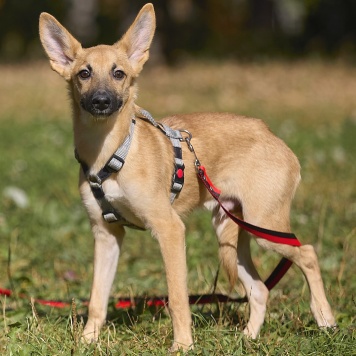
x: 46, y: 248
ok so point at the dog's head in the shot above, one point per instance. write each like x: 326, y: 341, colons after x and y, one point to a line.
x: 102, y: 77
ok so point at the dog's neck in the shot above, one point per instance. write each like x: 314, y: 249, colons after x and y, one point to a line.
x: 96, y: 139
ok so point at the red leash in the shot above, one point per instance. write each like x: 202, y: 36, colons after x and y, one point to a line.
x: 270, y: 235
x: 124, y: 303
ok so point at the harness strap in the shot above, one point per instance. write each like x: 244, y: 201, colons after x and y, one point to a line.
x: 176, y: 138
x: 113, y: 165
x: 117, y: 161
x: 178, y: 175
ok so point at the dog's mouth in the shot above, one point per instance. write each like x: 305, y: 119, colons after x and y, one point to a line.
x: 101, y: 104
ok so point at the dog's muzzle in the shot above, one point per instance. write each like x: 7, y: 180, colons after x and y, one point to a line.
x: 101, y: 103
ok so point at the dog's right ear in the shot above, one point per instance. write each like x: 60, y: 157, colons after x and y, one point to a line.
x: 60, y: 46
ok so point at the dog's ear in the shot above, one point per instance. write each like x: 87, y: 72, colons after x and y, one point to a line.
x: 137, y: 40
x: 60, y: 46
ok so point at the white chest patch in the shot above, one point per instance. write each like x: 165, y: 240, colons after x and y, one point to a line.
x: 113, y: 192
x: 121, y: 200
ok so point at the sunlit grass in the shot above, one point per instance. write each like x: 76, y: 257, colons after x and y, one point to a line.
x: 46, y: 248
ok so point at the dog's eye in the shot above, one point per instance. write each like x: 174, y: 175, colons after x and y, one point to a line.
x: 84, y: 74
x: 119, y: 74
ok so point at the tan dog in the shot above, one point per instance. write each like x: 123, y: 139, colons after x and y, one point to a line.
x: 257, y: 173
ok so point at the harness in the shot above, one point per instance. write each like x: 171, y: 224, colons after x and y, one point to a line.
x: 117, y: 161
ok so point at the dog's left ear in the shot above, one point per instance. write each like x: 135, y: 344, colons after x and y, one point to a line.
x: 137, y: 40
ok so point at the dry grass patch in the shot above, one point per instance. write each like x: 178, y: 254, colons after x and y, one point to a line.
x: 309, y: 92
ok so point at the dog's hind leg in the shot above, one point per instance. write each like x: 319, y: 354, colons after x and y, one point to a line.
x: 235, y: 255
x: 277, y: 218
x: 256, y: 291
x: 274, y: 187
x: 306, y: 259
x: 227, y: 233
x: 108, y: 240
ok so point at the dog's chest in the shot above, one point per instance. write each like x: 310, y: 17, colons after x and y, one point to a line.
x: 114, y: 192
x: 124, y: 199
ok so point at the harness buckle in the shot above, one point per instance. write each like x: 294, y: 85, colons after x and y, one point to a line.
x: 116, y: 162
x: 94, y: 180
x: 109, y: 217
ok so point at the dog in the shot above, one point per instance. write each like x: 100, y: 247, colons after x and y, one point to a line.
x: 257, y: 173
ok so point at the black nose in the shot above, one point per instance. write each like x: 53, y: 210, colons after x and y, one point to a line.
x: 101, y: 100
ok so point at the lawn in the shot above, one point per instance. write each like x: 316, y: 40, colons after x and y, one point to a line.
x: 46, y: 248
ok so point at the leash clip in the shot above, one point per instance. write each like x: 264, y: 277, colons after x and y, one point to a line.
x: 191, y: 148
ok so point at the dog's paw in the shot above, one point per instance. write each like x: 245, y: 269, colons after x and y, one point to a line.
x: 88, y: 338
x: 326, y: 320
x: 330, y: 328
x: 250, y: 333
x: 176, y: 347
x: 89, y: 335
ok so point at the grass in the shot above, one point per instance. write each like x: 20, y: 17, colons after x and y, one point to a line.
x: 46, y: 248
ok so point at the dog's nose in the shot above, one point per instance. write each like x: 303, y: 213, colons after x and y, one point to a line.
x: 101, y: 101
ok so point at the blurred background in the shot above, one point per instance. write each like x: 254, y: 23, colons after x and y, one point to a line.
x: 200, y: 28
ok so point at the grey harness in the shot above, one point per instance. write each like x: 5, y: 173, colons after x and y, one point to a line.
x: 117, y: 161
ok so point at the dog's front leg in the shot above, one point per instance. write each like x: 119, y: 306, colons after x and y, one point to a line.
x: 170, y: 233
x: 108, y: 240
